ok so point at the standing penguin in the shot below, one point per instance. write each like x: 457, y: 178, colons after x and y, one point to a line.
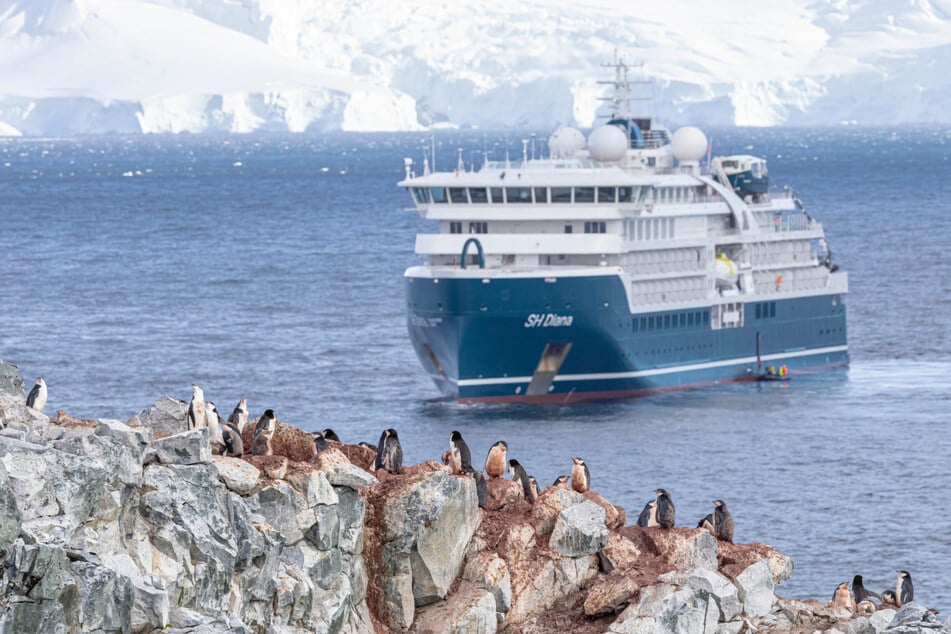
x: 517, y: 474
x: 196, y: 409
x: 648, y: 516
x: 842, y: 598
x: 267, y: 420
x: 719, y: 522
x: 36, y: 399
x: 239, y: 416
x: 330, y: 434
x: 859, y: 593
x: 561, y: 482
x: 904, y: 590
x: 389, y: 453
x: 580, y: 476
x: 482, y: 490
x: 534, y: 485
x: 460, y: 459
x: 214, y: 421
x: 320, y: 441
x: 666, y: 514
x: 263, y: 435
x: 496, y: 462
x: 234, y: 445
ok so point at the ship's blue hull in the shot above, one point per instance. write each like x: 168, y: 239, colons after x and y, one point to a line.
x: 571, y: 339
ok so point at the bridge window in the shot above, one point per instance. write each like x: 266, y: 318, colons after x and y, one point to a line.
x: 595, y: 227
x: 518, y: 194
x: 541, y: 194
x: 624, y: 194
x: 606, y: 194
x: 568, y: 228
x: 478, y: 195
x: 455, y: 227
x: 421, y: 194
x: 439, y: 194
x: 584, y: 194
x: 458, y: 195
x: 496, y: 193
x: 561, y: 194
x: 478, y: 227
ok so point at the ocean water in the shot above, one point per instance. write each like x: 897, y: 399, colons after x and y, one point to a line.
x: 271, y: 267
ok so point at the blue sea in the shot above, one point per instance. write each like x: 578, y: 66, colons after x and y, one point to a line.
x: 271, y: 267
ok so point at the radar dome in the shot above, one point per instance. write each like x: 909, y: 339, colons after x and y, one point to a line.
x: 607, y: 143
x: 565, y: 142
x: 689, y: 144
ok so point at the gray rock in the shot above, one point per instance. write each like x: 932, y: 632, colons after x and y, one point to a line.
x: 167, y: 416
x: 713, y: 583
x: 11, y: 380
x: 13, y: 409
x: 580, y: 530
x: 47, y: 482
x: 349, y: 475
x: 9, y: 514
x: 547, y: 507
x: 755, y: 589
x: 324, y: 534
x: 881, y: 619
x: 136, y: 439
x: 238, y: 475
x: 284, y: 509
x: 914, y: 618
x: 350, y: 510
x: 490, y: 572
x: 470, y: 610
x: 105, y: 599
x: 186, y: 448
x: 122, y: 462
x: 664, y: 608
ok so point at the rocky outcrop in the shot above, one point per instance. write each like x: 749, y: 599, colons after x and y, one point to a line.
x: 137, y: 527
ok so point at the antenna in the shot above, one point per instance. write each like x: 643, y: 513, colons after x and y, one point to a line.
x: 524, y: 150
x: 425, y: 160
x: 621, y: 97
x: 533, y: 146
x: 432, y: 140
x: 460, y: 166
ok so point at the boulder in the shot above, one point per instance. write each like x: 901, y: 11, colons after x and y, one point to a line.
x: 665, y: 608
x: 11, y: 381
x: 469, y: 610
x: 9, y: 513
x: 755, y: 589
x: 609, y: 594
x: 615, y: 516
x: 238, y: 475
x: 619, y: 553
x: 424, y: 524
x: 881, y: 619
x: 341, y: 472
x: 549, y: 504
x: 312, y: 484
x: 489, y: 572
x: 186, y: 448
x: 579, y: 530
x: 538, y: 585
x: 166, y: 417
x: 714, y: 584
x: 284, y: 509
x: 502, y: 494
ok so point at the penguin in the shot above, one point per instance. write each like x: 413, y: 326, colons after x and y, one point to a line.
x: 214, y: 422
x: 842, y: 598
x: 239, y: 417
x: 389, y: 453
x: 865, y: 607
x: 719, y: 522
x: 534, y: 485
x: 888, y: 599
x: 580, y: 476
x: 460, y: 459
x: 859, y: 593
x: 904, y: 590
x: 267, y: 420
x: 666, y: 514
x: 365, y: 445
x: 517, y: 474
x: 330, y: 434
x: 196, y: 409
x: 234, y: 445
x: 495, y: 462
x: 320, y: 441
x: 36, y: 399
x: 482, y: 490
x: 261, y: 445
x: 561, y: 482
x: 648, y: 516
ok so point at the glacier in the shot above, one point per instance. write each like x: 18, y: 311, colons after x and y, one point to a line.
x: 71, y: 67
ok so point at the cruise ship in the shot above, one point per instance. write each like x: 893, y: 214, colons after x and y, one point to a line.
x: 621, y: 264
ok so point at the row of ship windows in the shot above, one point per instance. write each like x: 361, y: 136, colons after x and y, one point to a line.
x: 765, y: 310
x: 687, y: 319
x: 593, y: 226
x: 542, y: 195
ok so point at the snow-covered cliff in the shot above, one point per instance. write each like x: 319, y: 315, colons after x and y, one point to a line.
x: 89, y: 66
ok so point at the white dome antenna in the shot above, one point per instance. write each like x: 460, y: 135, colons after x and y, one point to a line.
x: 607, y: 143
x: 565, y: 142
x: 689, y: 144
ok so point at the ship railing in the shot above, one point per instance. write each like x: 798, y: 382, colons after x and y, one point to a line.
x: 784, y: 223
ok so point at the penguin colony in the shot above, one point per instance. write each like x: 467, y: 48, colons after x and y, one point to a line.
x: 226, y: 436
